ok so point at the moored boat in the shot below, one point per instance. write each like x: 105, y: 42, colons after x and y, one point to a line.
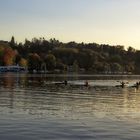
x: 12, y: 69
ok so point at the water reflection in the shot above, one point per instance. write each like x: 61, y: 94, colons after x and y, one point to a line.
x: 33, y: 107
x: 27, y: 94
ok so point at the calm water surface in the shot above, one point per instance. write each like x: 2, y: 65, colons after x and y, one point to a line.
x: 33, y: 107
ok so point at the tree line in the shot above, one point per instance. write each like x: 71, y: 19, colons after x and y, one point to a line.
x: 43, y: 55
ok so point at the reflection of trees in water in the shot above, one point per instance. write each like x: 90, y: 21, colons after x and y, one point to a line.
x: 11, y: 96
x: 63, y: 101
x: 131, y: 102
x: 100, y: 101
x: 10, y: 80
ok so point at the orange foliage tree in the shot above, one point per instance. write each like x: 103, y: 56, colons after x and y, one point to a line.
x: 1, y: 54
x: 9, y: 56
x: 23, y: 62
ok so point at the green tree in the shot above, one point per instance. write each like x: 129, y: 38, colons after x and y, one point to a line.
x: 50, y: 61
x: 75, y: 66
x: 34, y: 62
x: 116, y: 67
x: 13, y: 43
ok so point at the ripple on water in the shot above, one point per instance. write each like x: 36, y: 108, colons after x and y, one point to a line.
x: 42, y: 111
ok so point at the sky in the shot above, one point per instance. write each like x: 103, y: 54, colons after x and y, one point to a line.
x: 114, y: 22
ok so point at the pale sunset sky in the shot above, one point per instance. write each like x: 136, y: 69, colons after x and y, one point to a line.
x: 114, y: 22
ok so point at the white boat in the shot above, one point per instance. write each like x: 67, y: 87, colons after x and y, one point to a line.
x: 12, y: 69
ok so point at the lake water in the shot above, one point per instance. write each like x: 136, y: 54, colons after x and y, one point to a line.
x: 33, y: 107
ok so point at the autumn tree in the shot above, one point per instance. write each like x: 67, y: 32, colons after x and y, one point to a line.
x: 9, y: 56
x: 23, y: 62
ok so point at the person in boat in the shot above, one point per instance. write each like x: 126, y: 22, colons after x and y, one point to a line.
x: 62, y: 83
x: 137, y: 85
x: 122, y: 84
x: 86, y: 83
x: 65, y: 82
